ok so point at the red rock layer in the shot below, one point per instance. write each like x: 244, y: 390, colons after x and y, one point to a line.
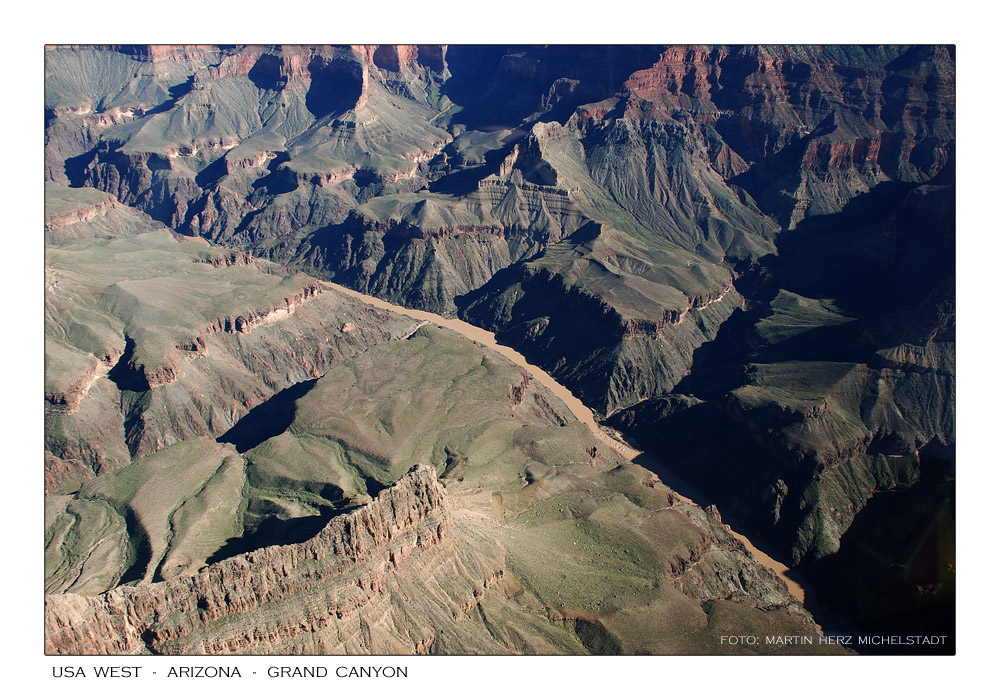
x: 236, y: 323
x: 67, y: 218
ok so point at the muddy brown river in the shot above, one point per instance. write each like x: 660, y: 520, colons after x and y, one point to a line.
x: 584, y: 415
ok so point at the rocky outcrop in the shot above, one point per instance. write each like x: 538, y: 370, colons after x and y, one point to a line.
x: 674, y: 317
x: 69, y: 398
x: 614, y: 319
x: 58, y: 219
x: 214, y: 380
x: 516, y: 395
x: 424, y: 259
x: 247, y: 321
x: 636, y: 356
x: 122, y: 381
x: 229, y: 258
x: 716, y: 567
x: 397, y: 58
x: 158, y: 376
x: 158, y: 53
x: 152, y: 377
x: 344, y: 566
x: 625, y: 216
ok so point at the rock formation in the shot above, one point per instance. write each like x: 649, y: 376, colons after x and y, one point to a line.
x: 348, y: 561
x: 723, y: 250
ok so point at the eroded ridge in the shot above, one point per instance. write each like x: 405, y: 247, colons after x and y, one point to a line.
x: 349, y: 560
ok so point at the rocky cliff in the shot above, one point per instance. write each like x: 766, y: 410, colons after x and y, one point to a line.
x: 693, y: 152
x: 60, y: 214
x: 337, y: 591
x: 349, y: 561
x: 182, y: 341
x: 280, y: 538
x: 758, y: 238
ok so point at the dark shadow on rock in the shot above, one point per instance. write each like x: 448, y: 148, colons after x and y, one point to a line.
x: 500, y: 281
x: 273, y: 530
x: 76, y: 167
x: 884, y: 253
x: 887, y: 260
x: 141, y: 552
x: 134, y: 396
x: 267, y: 420
x: 278, y: 180
x: 124, y: 375
x: 266, y: 74
x: 176, y: 92
x: 894, y: 573
x: 212, y: 173
x: 374, y: 486
x: 543, y: 82
x: 596, y: 638
x: 335, y: 87
x: 461, y: 182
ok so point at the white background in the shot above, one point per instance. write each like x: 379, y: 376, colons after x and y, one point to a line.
x: 28, y: 672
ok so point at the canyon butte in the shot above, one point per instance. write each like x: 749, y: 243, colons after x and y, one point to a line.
x: 740, y: 258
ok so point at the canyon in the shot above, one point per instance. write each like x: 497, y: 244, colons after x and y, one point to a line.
x: 739, y: 257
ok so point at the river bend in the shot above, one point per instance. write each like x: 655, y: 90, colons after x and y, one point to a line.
x: 583, y: 414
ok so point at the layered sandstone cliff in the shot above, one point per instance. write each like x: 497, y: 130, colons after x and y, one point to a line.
x: 59, y: 218
x: 344, y: 566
